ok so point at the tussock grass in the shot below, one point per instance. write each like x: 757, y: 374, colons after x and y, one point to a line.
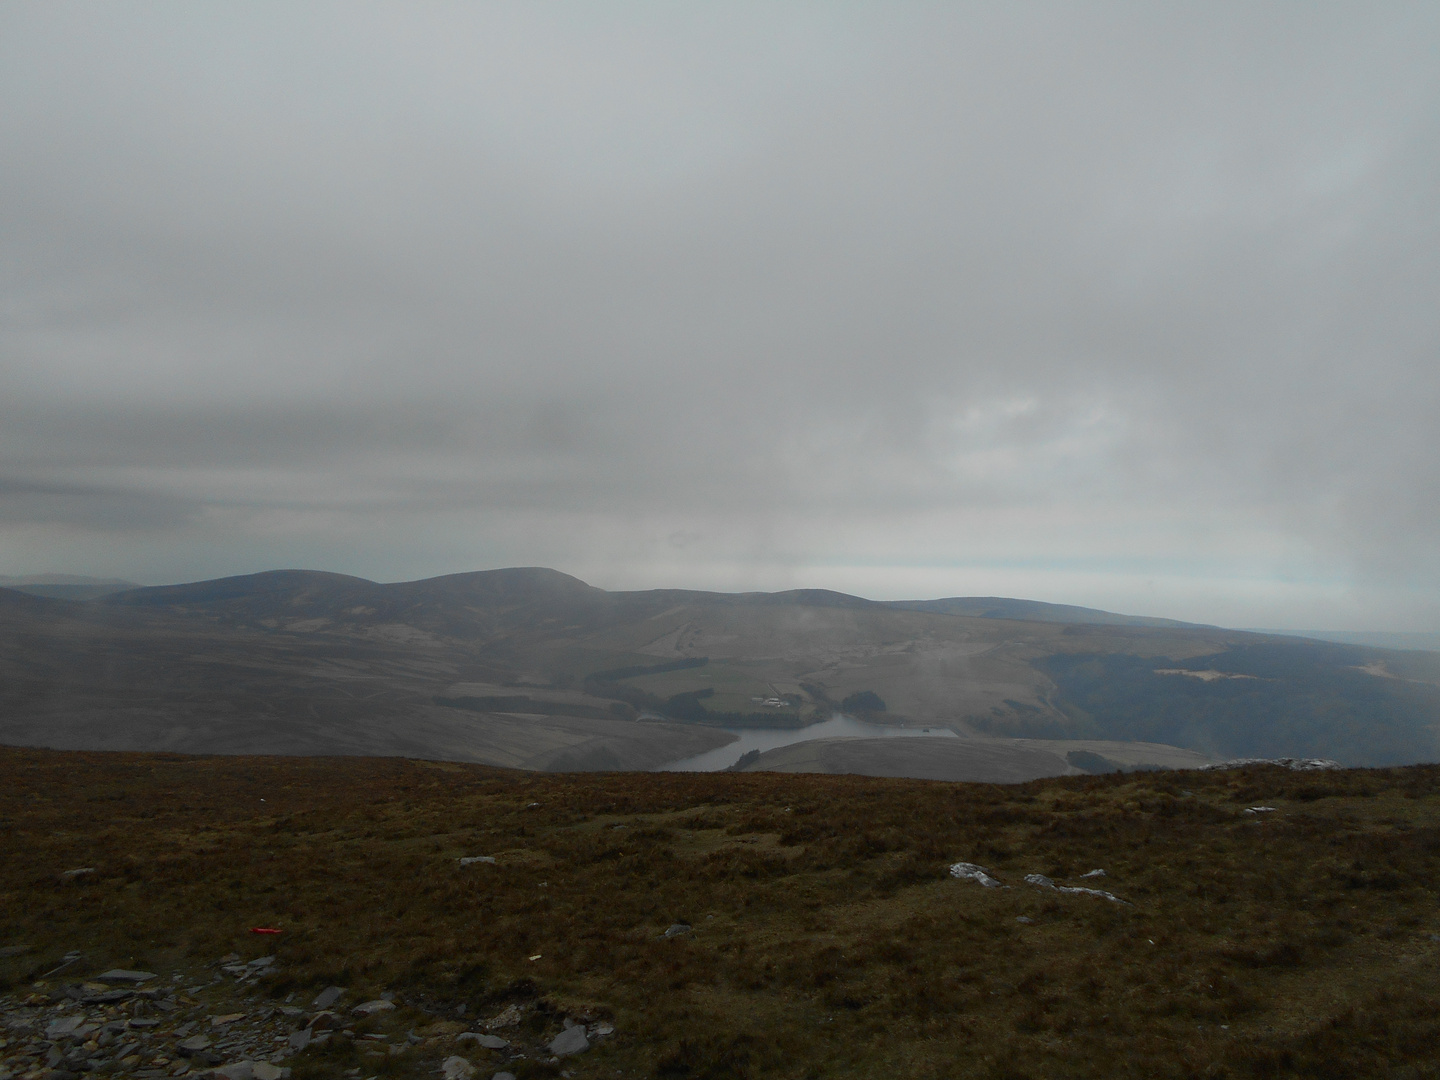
x: 829, y: 939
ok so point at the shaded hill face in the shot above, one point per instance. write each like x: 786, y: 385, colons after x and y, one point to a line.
x: 532, y: 668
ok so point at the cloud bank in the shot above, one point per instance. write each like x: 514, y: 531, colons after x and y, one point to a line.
x: 1100, y: 304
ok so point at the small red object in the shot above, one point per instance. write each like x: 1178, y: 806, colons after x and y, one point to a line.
x: 263, y: 930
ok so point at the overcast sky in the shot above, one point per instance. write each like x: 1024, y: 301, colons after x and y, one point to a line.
x: 1128, y: 305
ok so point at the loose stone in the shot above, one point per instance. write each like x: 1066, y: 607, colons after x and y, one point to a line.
x: 570, y: 1041
x: 193, y: 1045
x: 970, y: 872
x: 370, y: 1008
x: 490, y: 1042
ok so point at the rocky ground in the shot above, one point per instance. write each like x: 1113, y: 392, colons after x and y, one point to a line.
x: 211, y: 1025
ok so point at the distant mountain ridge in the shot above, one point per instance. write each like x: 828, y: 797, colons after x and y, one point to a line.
x: 66, y: 586
x: 999, y: 607
x: 526, y: 583
x: 518, y: 667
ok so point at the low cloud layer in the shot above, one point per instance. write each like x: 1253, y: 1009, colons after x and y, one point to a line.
x: 1104, y: 304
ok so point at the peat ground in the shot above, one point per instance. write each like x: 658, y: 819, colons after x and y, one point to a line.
x: 828, y: 940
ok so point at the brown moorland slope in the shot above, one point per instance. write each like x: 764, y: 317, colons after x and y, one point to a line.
x: 828, y: 938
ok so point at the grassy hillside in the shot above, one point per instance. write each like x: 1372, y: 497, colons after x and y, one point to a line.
x: 519, y: 668
x: 1263, y: 699
x: 828, y: 938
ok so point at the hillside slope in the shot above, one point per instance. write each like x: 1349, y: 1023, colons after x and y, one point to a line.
x: 533, y: 668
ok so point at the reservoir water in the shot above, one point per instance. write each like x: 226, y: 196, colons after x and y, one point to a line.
x: 763, y: 739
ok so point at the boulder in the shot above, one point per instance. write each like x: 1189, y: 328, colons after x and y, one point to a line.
x: 570, y: 1041
x: 327, y: 997
x: 370, y: 1008
x: 457, y: 1068
x: 120, y: 975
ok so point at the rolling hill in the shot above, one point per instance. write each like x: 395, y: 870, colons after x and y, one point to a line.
x: 532, y: 668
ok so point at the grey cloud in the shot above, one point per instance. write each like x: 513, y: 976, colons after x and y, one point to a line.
x: 92, y: 509
x: 825, y: 289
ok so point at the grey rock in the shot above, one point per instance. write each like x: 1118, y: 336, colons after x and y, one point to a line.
x: 261, y: 962
x: 1094, y: 873
x: 601, y: 1030
x: 1025, y: 919
x: 195, y: 1044
x: 490, y: 1042
x: 264, y: 1070
x: 78, y: 871
x: 1044, y: 882
x: 63, y: 1025
x: 677, y: 929
x: 570, y: 1041
x: 370, y: 1008
x: 477, y: 859
x: 507, y: 1017
x: 236, y: 1070
x: 120, y: 975
x: 324, y: 1021
x: 143, y: 1022
x: 970, y: 872
x: 503, y: 1076
x: 1260, y: 810
x: 299, y: 1040
x: 327, y: 997
x: 457, y: 1068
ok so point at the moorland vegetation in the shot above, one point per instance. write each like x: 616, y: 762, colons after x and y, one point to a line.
x: 826, y: 935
